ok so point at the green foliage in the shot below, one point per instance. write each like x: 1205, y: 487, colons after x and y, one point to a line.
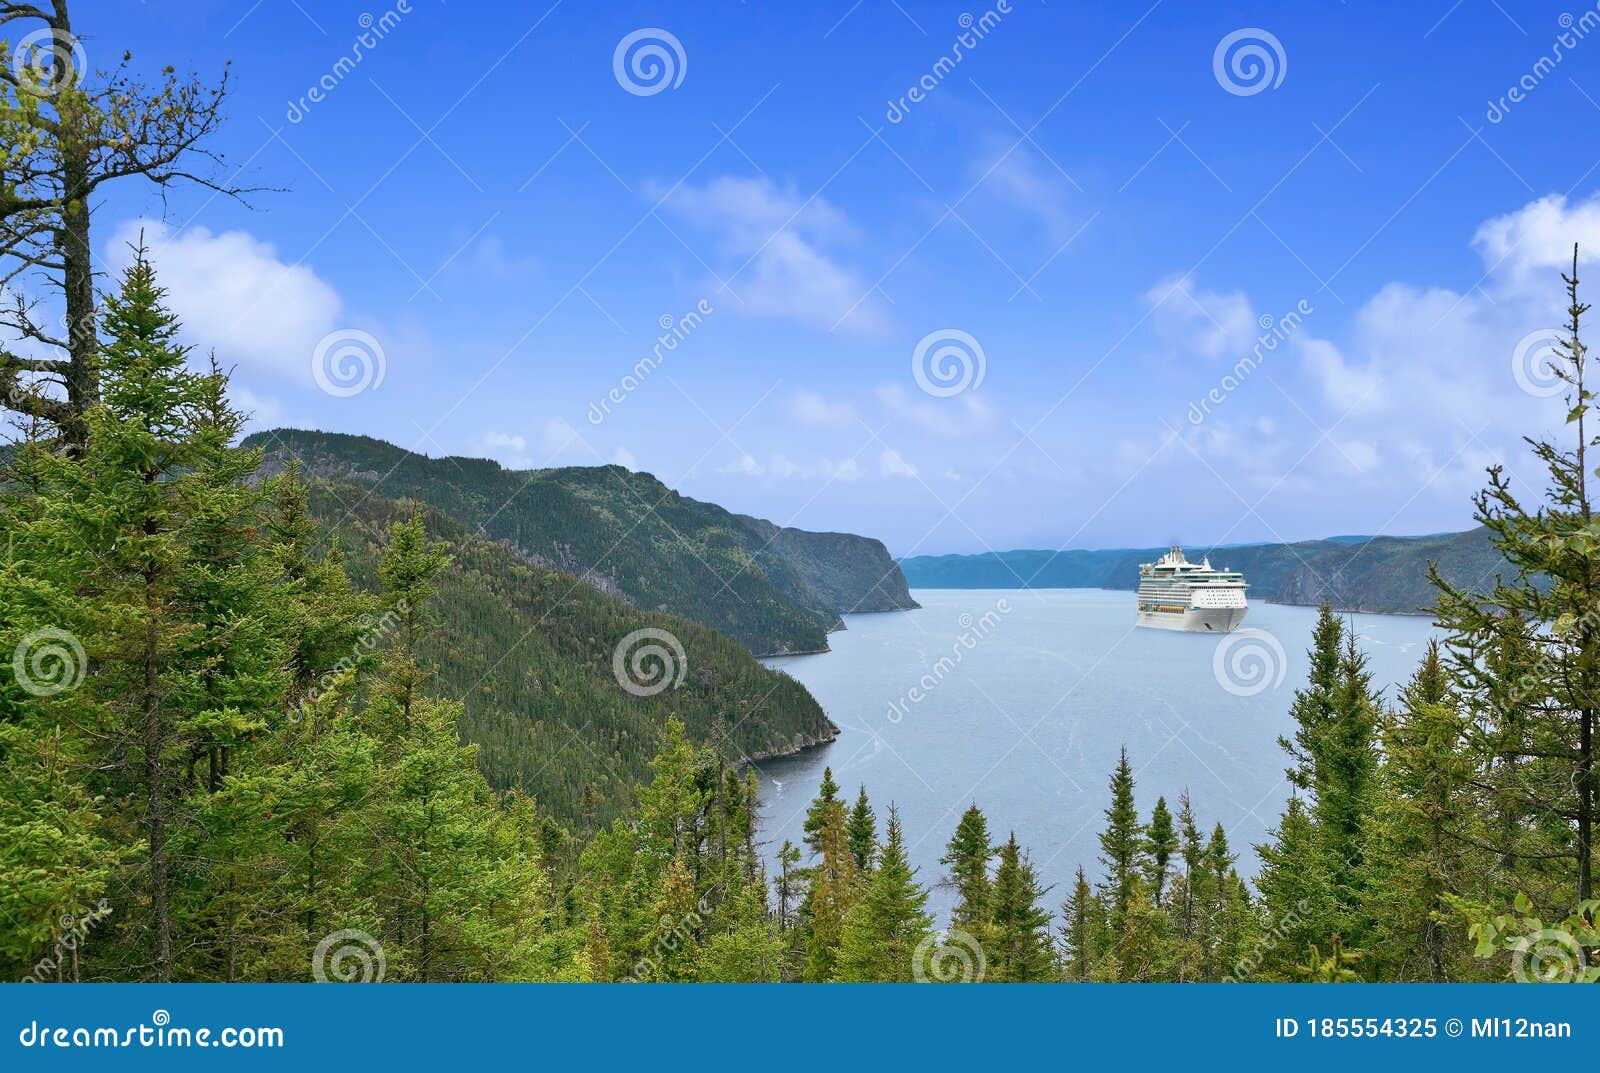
x: 773, y: 590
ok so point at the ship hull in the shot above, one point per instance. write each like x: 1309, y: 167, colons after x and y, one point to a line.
x: 1195, y: 620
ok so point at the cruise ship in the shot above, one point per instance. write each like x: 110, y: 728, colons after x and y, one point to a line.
x: 1175, y: 594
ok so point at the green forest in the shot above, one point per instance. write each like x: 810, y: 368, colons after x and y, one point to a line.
x: 259, y: 724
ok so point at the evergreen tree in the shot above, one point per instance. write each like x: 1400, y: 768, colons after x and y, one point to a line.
x: 862, y: 832
x: 1121, y: 844
x: 1018, y: 941
x: 835, y: 890
x: 1161, y: 842
x: 1539, y: 706
x: 967, y: 860
x: 1082, y: 932
x: 883, y: 931
x: 816, y: 815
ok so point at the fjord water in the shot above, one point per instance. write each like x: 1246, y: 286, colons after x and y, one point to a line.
x: 1037, y: 693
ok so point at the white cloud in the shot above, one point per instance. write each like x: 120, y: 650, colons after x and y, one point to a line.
x: 508, y: 449
x: 236, y: 295
x: 774, y: 239
x: 1021, y: 179
x: 624, y: 458
x: 782, y: 467
x: 967, y: 414
x: 891, y: 464
x: 809, y: 408
x: 1195, y: 321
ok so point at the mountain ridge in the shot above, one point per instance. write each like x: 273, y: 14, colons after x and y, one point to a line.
x: 775, y: 589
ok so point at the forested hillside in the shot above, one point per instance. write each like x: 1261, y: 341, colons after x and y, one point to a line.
x: 528, y: 651
x: 774, y: 590
x: 1380, y: 574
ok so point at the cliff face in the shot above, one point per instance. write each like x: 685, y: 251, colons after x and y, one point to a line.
x: 1378, y: 574
x: 774, y: 590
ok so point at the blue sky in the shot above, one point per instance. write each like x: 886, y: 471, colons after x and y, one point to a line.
x: 1083, y: 195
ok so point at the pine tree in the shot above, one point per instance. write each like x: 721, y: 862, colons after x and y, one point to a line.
x: 1082, y: 932
x: 1161, y: 842
x: 862, y: 832
x: 884, y: 929
x: 835, y: 890
x: 1121, y: 844
x: 816, y: 815
x: 1541, y: 704
x: 1423, y: 832
x: 967, y: 860
x: 1018, y: 941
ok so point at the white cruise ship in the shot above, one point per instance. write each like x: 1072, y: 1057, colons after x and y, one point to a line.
x: 1175, y: 594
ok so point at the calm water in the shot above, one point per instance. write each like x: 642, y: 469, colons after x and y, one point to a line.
x: 1027, y: 722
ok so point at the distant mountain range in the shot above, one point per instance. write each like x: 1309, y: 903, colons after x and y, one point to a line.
x: 773, y: 589
x: 1378, y: 574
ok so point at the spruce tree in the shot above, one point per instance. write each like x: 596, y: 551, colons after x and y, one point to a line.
x: 1018, y: 943
x: 883, y: 931
x: 966, y: 859
x: 1161, y: 842
x: 1539, y: 707
x: 862, y: 831
x: 1121, y: 844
